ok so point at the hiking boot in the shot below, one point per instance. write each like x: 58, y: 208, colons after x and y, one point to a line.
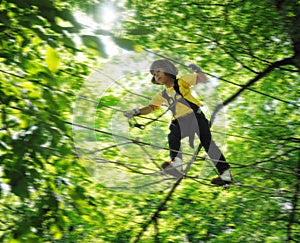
x: 177, y: 163
x: 223, y: 179
x: 168, y: 168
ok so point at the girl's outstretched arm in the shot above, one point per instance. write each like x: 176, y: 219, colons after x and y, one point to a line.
x: 142, y: 111
x: 147, y: 109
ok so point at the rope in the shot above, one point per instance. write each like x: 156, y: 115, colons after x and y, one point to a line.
x: 118, y: 110
x: 227, y: 81
x: 238, y: 165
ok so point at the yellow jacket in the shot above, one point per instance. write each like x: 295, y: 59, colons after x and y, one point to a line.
x: 184, y: 84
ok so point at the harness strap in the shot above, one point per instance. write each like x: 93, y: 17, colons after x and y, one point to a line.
x: 172, y: 102
x: 172, y: 106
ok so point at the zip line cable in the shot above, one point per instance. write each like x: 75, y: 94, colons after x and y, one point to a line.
x: 132, y: 168
x: 159, y: 116
x: 255, y: 188
x: 175, y: 61
x: 122, y: 86
x: 134, y: 141
x: 119, y: 110
x: 157, y: 119
x: 204, y: 181
x: 102, y: 103
x: 195, y: 156
x: 225, y: 80
x: 239, y: 166
x: 69, y: 93
x: 262, y: 190
x: 141, y: 143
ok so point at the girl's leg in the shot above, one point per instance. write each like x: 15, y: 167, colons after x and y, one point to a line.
x: 174, y: 139
x: 210, y: 146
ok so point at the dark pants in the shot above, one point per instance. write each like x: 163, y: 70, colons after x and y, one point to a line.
x: 189, y: 125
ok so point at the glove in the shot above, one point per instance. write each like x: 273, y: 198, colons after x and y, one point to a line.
x: 195, y: 68
x: 132, y: 113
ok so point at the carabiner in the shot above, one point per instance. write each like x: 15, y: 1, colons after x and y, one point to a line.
x: 135, y: 123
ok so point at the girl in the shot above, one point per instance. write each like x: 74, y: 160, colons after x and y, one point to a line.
x: 188, y: 119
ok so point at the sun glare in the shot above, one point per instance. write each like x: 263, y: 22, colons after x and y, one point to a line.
x: 108, y: 15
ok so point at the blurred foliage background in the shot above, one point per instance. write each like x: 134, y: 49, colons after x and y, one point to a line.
x: 72, y: 170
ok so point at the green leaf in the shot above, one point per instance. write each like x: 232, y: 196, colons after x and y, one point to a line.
x: 125, y: 43
x: 68, y: 42
x: 11, y: 240
x: 140, y: 30
x: 52, y: 59
x: 94, y: 43
x: 55, y: 230
x: 20, y: 187
x: 67, y: 15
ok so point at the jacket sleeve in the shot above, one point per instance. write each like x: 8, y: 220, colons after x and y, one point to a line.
x: 157, y: 101
x: 191, y: 79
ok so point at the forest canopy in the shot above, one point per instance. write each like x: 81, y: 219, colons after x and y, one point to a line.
x: 74, y: 169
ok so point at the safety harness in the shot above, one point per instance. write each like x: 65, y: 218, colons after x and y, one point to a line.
x: 172, y: 106
x: 172, y: 102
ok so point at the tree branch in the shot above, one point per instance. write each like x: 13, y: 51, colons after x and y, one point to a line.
x: 262, y: 74
x: 157, y: 212
x: 292, y: 218
x: 230, y: 99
